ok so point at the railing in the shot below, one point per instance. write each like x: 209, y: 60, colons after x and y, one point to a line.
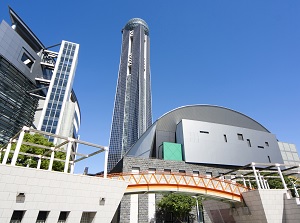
x: 154, y: 182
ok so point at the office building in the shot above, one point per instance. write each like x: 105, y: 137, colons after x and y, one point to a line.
x: 36, y: 83
x: 132, y: 113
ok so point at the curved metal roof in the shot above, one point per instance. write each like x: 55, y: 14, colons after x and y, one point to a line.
x: 206, y: 113
x: 132, y: 23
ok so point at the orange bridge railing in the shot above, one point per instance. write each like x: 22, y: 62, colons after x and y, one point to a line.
x: 162, y: 182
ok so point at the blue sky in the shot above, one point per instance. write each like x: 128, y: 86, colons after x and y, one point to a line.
x: 243, y: 55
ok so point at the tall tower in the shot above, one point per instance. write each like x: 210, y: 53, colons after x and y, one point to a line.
x: 132, y: 111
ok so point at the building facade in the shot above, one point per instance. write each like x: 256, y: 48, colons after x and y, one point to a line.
x: 201, y: 140
x: 36, y: 83
x: 132, y: 113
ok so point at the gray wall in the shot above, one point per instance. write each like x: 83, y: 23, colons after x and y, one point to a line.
x: 12, y: 47
x: 205, y: 142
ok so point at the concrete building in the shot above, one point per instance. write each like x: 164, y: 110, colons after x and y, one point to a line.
x: 213, y: 142
x: 132, y: 113
x: 36, y: 83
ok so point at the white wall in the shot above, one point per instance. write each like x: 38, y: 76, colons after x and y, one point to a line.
x: 56, y: 191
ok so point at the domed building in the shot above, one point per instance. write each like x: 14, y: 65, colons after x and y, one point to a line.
x: 196, y: 140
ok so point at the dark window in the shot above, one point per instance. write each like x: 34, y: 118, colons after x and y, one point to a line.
x: 261, y: 147
x: 204, y: 132
x: 266, y: 143
x: 63, y: 216
x: 225, y: 138
x: 167, y: 170
x: 269, y: 159
x: 27, y: 60
x: 249, y: 143
x: 42, y: 216
x: 208, y: 174
x: 240, y: 136
x: 195, y: 173
x: 17, y: 216
x: 181, y: 171
x: 152, y: 170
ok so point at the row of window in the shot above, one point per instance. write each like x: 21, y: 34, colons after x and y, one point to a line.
x: 87, y: 217
x: 240, y: 137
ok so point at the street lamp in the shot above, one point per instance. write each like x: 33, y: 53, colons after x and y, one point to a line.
x: 197, y: 206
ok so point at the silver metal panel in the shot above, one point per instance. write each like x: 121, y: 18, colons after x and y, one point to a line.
x: 143, y: 146
x: 204, y: 142
x: 207, y: 113
x: 12, y: 46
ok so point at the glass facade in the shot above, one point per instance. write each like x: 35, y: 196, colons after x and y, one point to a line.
x: 17, y: 106
x: 132, y: 110
x: 60, y: 91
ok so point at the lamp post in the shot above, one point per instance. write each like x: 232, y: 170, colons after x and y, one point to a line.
x: 197, y: 206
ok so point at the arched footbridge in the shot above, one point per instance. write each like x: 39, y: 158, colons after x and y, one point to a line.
x: 167, y: 182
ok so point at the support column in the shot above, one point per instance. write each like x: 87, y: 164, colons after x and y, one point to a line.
x: 69, y: 148
x: 39, y: 162
x: 281, y: 176
x: 51, y: 159
x: 105, y: 161
x: 256, y: 177
x: 72, y: 167
x: 250, y: 185
x: 261, y: 180
x: 244, y: 181
x: 18, y: 147
x: 7, y: 151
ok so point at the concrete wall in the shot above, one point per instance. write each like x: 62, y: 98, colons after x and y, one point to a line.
x: 56, y: 192
x: 261, y: 206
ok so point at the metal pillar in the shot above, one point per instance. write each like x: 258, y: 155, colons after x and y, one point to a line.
x: 39, y: 162
x: 18, y: 147
x: 72, y: 167
x: 69, y: 148
x: 197, y: 206
x: 250, y: 185
x: 244, y: 181
x: 281, y: 176
x: 261, y: 180
x: 256, y: 177
x: 7, y: 151
x: 51, y: 159
x: 105, y: 161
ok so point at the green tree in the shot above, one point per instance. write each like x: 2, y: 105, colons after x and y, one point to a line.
x: 179, y: 205
x: 24, y: 160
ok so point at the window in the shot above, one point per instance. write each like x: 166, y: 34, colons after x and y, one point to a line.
x: 249, y: 143
x: 269, y: 159
x: 181, y: 171
x: 225, y: 138
x: 27, y: 60
x: 208, y: 174
x: 151, y: 170
x: 87, y: 217
x: 135, y: 170
x: 267, y: 144
x: 42, y: 216
x: 205, y: 132
x: 17, y: 216
x: 63, y: 216
x: 261, y: 147
x: 240, y: 136
x: 195, y: 173
x: 167, y: 170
